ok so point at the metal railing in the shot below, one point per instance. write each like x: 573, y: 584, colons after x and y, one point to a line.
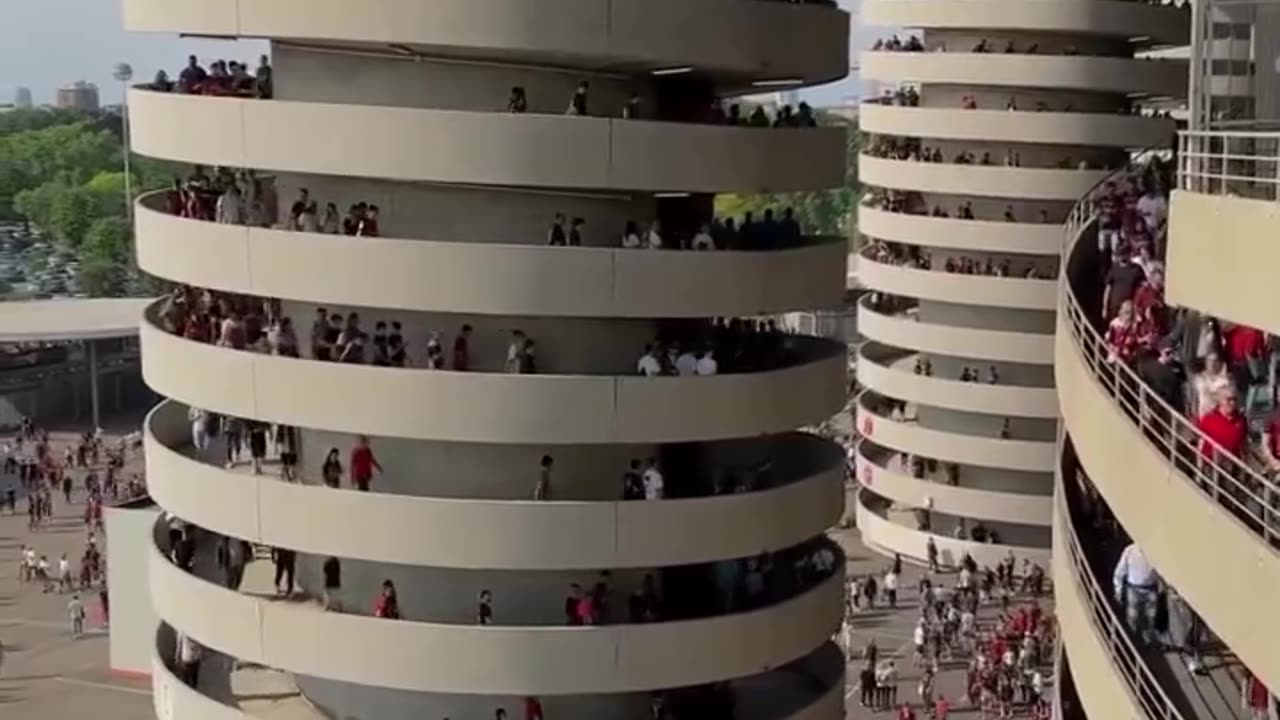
x: 1143, y: 686
x: 1229, y: 481
x: 1236, y: 163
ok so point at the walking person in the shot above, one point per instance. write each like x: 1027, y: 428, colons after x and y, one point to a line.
x: 363, y: 464
x: 332, y: 571
x: 285, y: 562
x: 257, y: 444
x: 75, y: 609
x: 188, y: 660
x: 331, y: 470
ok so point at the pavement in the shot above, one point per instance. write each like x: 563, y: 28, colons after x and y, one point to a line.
x: 892, y: 631
x: 46, y: 674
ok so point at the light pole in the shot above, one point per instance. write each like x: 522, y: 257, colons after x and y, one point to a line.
x: 124, y: 73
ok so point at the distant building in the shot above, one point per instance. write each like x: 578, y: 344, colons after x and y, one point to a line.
x: 22, y: 97
x: 79, y: 95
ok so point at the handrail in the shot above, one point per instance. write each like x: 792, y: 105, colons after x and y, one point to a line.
x: 1236, y: 163
x: 1251, y: 496
x: 1143, y: 686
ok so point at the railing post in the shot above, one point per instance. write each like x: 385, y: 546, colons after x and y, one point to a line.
x: 1222, y: 167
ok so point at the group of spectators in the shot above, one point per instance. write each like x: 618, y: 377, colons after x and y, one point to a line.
x: 911, y: 148
x: 225, y: 78
x: 912, y: 203
x: 716, y: 113
x: 766, y: 233
x: 889, y: 253
x: 1210, y: 372
x: 226, y: 196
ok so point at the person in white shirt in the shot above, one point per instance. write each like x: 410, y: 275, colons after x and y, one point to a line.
x: 1207, y: 384
x: 64, y: 574
x: 631, y: 236
x: 1137, y: 586
x: 230, y: 207
x: 707, y: 364
x: 653, y: 481
x: 308, y: 222
x: 917, y: 639
x: 188, y: 660
x: 891, y: 588
x: 653, y: 240
x: 1154, y: 209
x: 649, y: 365
x: 687, y: 363
x: 703, y: 241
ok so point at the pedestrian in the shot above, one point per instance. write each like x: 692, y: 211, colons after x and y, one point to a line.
x: 75, y: 609
x: 188, y: 660
x: 363, y: 464
x: 931, y: 550
x: 542, y: 489
x: 388, y: 605
x: 891, y: 588
x: 332, y: 570
x: 484, y: 608
x: 285, y: 562
x: 64, y: 574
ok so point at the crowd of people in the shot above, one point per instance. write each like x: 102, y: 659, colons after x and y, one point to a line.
x: 1007, y: 659
x: 257, y: 325
x: 32, y: 462
x: 223, y: 78
x: 908, y: 202
x: 240, y: 197
x: 1220, y: 376
x: 892, y: 147
x: 1009, y: 46
x: 913, y: 256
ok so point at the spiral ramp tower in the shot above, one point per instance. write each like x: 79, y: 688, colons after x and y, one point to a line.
x: 960, y: 414
x: 400, y: 104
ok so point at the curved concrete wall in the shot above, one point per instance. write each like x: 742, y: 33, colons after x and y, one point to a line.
x: 904, y: 331
x: 990, y: 291
x: 510, y: 535
x: 483, y: 148
x: 890, y: 537
x: 759, y: 41
x: 484, y: 278
x: 489, y: 407
x: 902, y: 384
x: 1062, y: 128
x: 1164, y: 23
x: 495, y: 660
x: 1069, y: 72
x: 953, y: 233
x: 1099, y: 682
x: 966, y: 502
x: 1222, y: 249
x: 1026, y: 455
x: 175, y: 700
x: 1221, y: 568
x: 981, y: 180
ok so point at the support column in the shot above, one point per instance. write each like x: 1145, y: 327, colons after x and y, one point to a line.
x: 93, y: 383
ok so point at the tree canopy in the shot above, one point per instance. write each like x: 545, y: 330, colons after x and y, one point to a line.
x: 62, y: 172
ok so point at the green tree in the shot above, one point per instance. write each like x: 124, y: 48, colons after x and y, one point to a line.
x: 102, y: 278
x: 71, y: 213
x: 107, y: 239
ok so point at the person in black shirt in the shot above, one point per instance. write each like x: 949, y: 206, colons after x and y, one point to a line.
x: 304, y: 204
x: 332, y: 570
x: 484, y: 608
x: 397, y: 351
x: 192, y: 76
x: 381, y: 350
x: 632, y: 484
x: 262, y: 79
x: 578, y: 105
x: 575, y: 232
x: 518, y: 102
x: 285, y: 561
x: 1122, y: 282
x: 556, y: 235
x: 790, y: 228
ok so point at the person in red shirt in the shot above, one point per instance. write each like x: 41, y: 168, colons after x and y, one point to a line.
x: 941, y: 709
x: 1224, y: 428
x: 388, y: 605
x: 1246, y: 351
x: 906, y: 713
x: 363, y: 463
x: 532, y: 709
x: 462, y: 350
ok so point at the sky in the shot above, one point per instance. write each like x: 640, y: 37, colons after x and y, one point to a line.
x: 48, y: 43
